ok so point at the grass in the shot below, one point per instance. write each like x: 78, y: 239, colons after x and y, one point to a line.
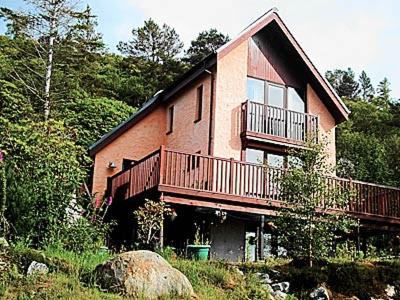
x: 217, y: 280
x: 70, y: 277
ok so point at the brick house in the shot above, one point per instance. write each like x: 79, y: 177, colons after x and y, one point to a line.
x: 198, y: 144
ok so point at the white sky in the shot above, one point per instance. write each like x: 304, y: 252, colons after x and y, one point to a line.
x: 361, y: 34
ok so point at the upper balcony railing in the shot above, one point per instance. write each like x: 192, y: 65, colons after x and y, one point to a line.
x: 269, y: 121
x: 221, y: 178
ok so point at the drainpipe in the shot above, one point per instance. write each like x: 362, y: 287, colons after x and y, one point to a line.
x: 210, y: 129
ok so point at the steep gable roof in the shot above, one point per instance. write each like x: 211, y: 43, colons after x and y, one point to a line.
x: 332, y: 100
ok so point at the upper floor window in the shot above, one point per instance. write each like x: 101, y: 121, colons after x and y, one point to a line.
x: 277, y: 95
x: 256, y: 90
x: 170, y: 119
x: 199, y: 103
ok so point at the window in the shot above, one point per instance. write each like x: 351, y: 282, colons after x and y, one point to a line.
x: 255, y: 90
x: 254, y: 156
x: 295, y: 102
x: 262, y: 91
x: 199, y: 103
x: 276, y: 95
x: 170, y: 119
x: 274, y: 159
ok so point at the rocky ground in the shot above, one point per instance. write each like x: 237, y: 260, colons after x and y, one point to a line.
x: 53, y: 273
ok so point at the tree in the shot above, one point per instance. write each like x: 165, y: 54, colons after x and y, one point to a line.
x: 344, y: 83
x: 43, y: 174
x: 152, y: 54
x: 4, y: 226
x: 306, y: 227
x: 366, y: 88
x: 46, y: 41
x: 150, y: 220
x: 93, y: 117
x: 383, y: 91
x: 205, y: 43
x: 153, y: 43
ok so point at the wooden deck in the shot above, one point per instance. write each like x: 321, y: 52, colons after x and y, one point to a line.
x: 201, y: 180
x: 261, y: 121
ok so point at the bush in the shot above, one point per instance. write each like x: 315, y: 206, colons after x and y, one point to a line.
x: 43, y: 174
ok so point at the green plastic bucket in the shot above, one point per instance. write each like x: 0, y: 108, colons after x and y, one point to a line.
x: 198, y: 252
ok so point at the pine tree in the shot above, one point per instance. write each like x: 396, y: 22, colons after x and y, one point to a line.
x: 153, y: 43
x: 344, y: 83
x: 205, y: 43
x: 384, y: 91
x: 42, y: 36
x: 152, y: 54
x: 366, y: 88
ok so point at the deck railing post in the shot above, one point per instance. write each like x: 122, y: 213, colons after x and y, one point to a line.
x: 162, y: 163
x: 231, y: 181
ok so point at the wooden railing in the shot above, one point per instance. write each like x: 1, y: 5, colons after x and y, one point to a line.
x: 229, y: 177
x: 143, y: 175
x: 275, y: 121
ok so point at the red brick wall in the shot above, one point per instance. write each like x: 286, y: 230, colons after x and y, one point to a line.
x: 149, y: 134
x: 188, y: 135
x: 143, y: 138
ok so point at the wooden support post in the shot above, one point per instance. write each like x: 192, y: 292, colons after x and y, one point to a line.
x: 162, y: 163
x: 261, y: 243
x: 358, y: 246
x: 231, y: 181
x: 258, y: 237
x: 162, y: 226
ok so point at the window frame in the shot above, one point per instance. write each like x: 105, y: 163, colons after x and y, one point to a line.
x: 267, y: 83
x: 199, y: 103
x: 170, y: 119
x: 285, y: 156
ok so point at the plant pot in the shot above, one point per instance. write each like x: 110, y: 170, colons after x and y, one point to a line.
x: 198, y: 252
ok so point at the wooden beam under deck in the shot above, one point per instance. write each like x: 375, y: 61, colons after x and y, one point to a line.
x: 229, y: 207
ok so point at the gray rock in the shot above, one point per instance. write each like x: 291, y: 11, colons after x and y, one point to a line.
x: 143, y: 274
x: 319, y: 293
x: 36, y: 268
x: 390, y: 291
x: 281, y: 286
x: 279, y: 295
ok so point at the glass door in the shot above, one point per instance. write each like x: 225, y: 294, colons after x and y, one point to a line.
x: 255, y: 113
x: 276, y: 112
x: 296, y: 121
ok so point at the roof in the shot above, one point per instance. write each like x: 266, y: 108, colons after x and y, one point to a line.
x: 336, y: 104
x: 333, y: 101
x: 153, y: 102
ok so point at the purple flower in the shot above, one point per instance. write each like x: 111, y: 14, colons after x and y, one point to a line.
x: 1, y: 156
x: 97, y: 203
x: 110, y: 200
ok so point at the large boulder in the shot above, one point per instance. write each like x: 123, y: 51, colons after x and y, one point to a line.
x: 143, y: 274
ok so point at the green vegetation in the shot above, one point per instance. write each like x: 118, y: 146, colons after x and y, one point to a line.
x: 70, y: 277
x: 61, y: 90
x: 306, y: 229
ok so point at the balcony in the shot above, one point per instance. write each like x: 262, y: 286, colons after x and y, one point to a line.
x: 201, y: 180
x: 278, y: 125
